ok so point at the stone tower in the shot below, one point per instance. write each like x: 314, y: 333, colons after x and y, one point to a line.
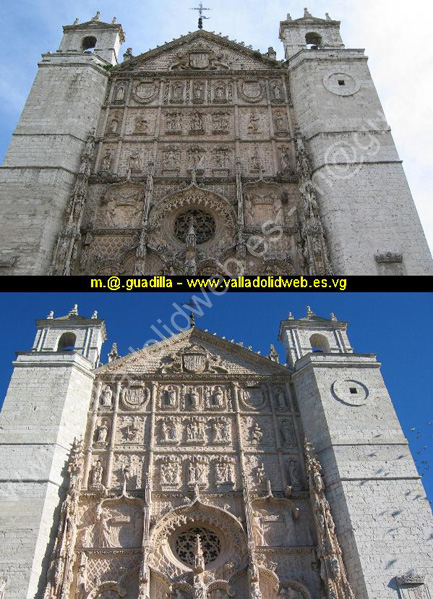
x: 208, y: 157
x: 46, y: 407
x: 207, y: 471
x: 42, y: 165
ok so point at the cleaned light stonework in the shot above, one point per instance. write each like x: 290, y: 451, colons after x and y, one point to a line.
x: 207, y: 471
x: 180, y: 160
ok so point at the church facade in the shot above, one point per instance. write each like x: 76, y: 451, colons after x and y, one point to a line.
x: 198, y: 469
x: 204, y: 156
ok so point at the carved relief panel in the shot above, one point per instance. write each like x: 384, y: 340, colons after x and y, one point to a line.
x: 121, y: 205
x: 130, y: 430
x: 263, y: 204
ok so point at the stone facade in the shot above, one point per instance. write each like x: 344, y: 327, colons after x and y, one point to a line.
x: 206, y: 157
x: 207, y: 471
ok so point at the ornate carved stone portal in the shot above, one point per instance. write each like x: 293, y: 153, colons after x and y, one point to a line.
x: 195, y: 142
x: 191, y: 483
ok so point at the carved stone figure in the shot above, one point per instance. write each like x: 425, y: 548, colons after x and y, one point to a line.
x: 224, y: 473
x: 101, y: 433
x: 286, y: 433
x: 106, y: 397
x: 194, y: 399
x: 197, y: 122
x: 280, y: 122
x: 258, y: 529
x: 177, y: 91
x: 141, y: 125
x: 217, y: 430
x: 173, y: 122
x: 196, y: 472
x: 106, y: 161
x: 302, y: 161
x: 195, y: 431
x: 120, y: 92
x: 102, y: 528
x: 170, y: 473
x: 276, y: 92
x: 97, y: 472
x: 294, y: 474
x: 281, y: 400
x: 256, y: 434
x: 113, y: 124
x: 170, y: 397
x: 217, y: 398
x: 134, y: 162
x: 253, y: 123
x: 220, y: 122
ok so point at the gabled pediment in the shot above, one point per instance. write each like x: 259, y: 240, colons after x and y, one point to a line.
x: 197, y: 52
x: 194, y: 352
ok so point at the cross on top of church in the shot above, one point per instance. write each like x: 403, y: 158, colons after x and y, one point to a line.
x: 200, y: 9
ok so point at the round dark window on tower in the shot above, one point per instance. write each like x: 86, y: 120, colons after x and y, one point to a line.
x: 186, y: 541
x: 88, y: 43
x: 203, y: 222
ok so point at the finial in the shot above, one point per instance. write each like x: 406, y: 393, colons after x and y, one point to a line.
x: 113, y: 354
x: 289, y: 17
x: 95, y: 315
x: 50, y: 315
x: 273, y: 354
x: 77, y: 20
x: 191, y: 236
x: 74, y: 311
x: 309, y: 311
x: 128, y: 54
x: 307, y: 14
x: 96, y: 17
x: 269, y: 487
x: 114, y: 21
x: 328, y: 18
x: 290, y: 316
x: 333, y: 317
x: 200, y: 12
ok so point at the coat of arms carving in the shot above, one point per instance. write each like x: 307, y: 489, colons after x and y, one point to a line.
x: 134, y: 398
x: 194, y: 359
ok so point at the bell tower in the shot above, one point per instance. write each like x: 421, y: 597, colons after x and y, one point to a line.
x: 373, y: 487
x: 45, y: 408
x: 51, y: 143
x: 364, y: 199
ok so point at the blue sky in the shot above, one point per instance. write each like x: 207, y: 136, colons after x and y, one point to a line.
x: 395, y: 36
x: 398, y: 327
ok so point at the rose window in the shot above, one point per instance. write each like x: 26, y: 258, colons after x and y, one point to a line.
x: 204, y: 225
x: 185, y: 544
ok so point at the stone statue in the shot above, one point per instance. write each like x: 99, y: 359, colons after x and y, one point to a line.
x: 218, y: 398
x: 106, y: 397
x: 281, y: 400
x: 120, y: 92
x: 286, y: 433
x: 194, y: 399
x: 97, y: 472
x: 114, y: 124
x: 106, y: 161
x: 102, y: 529
x: 258, y: 529
x: 135, y: 162
x: 256, y: 434
x: 253, y: 124
x: 170, y: 396
x: 217, y: 429
x: 102, y: 433
x: 294, y: 475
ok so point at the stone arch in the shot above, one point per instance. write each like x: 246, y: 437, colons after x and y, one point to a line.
x: 313, y: 40
x: 300, y: 589
x: 163, y: 216
x: 319, y: 343
x: 110, y: 585
x: 230, y: 533
x: 66, y: 341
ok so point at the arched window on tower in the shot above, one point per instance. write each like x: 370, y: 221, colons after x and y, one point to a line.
x: 319, y: 344
x: 313, y: 41
x: 66, y: 342
x: 89, y: 43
